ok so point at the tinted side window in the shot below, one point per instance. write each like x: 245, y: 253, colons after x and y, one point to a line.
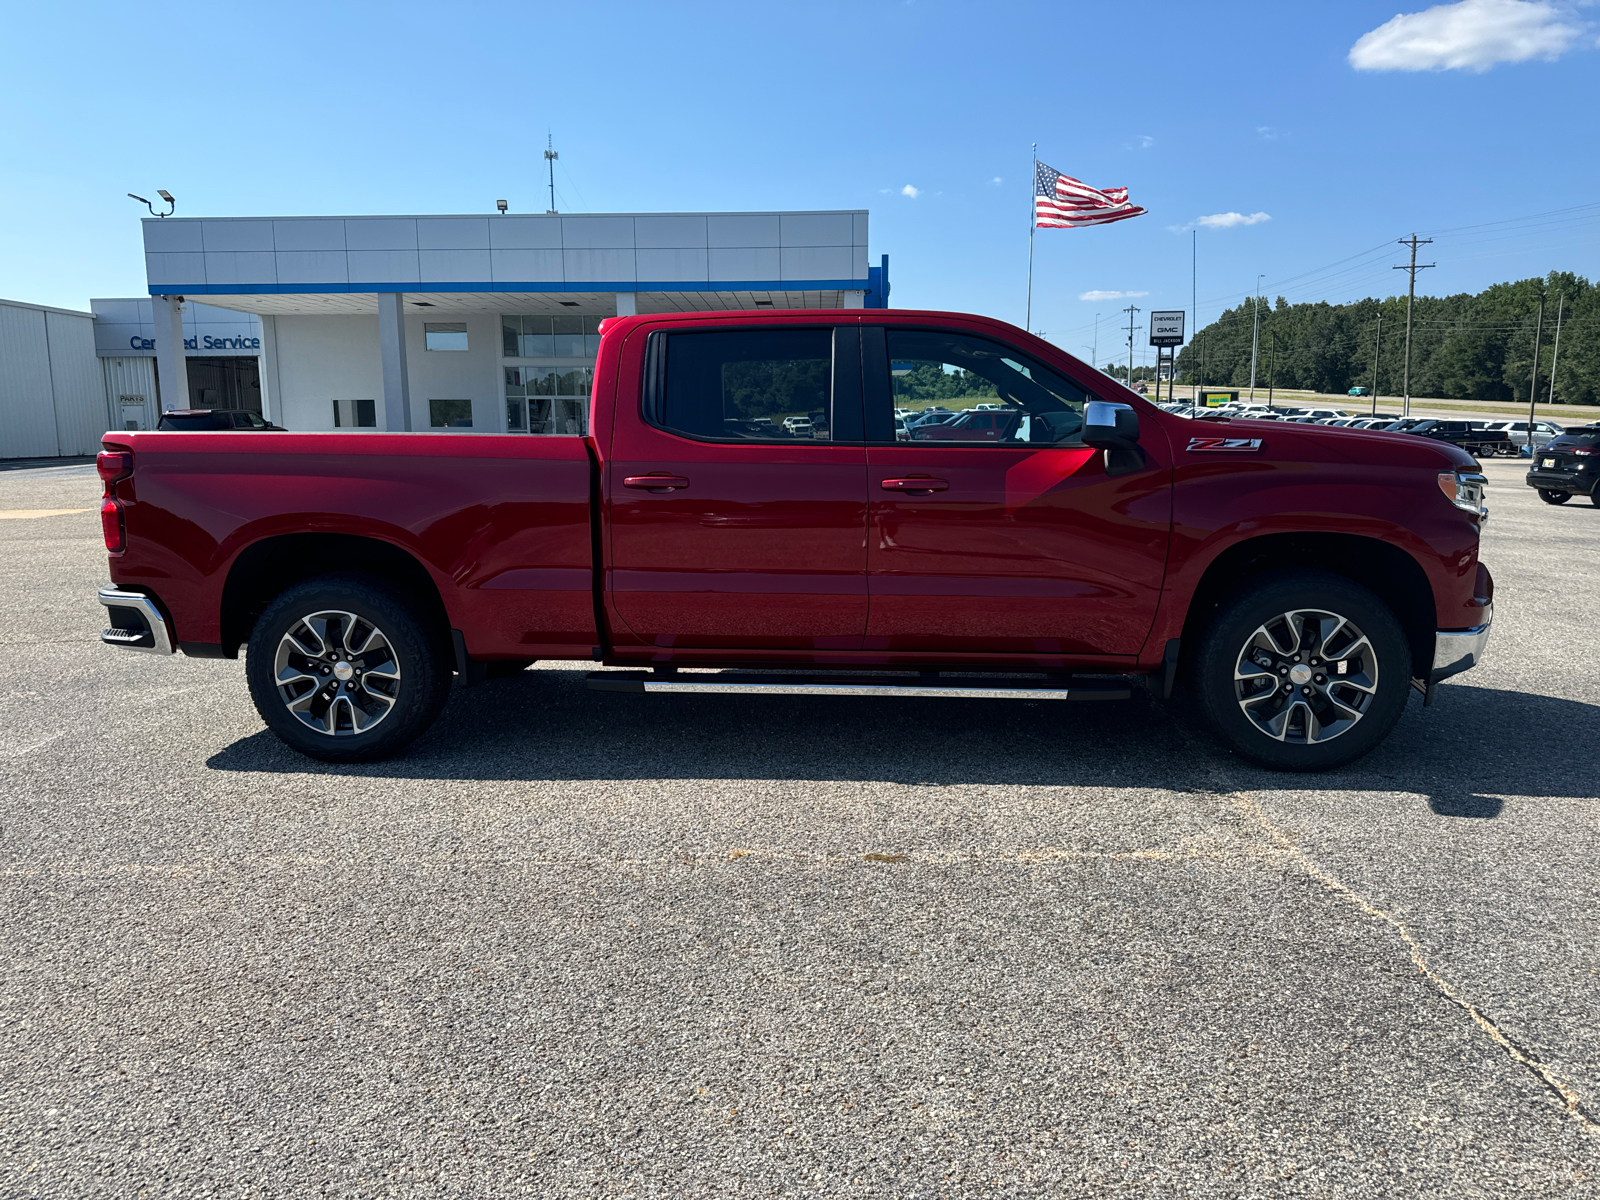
x: 955, y: 388
x: 746, y: 385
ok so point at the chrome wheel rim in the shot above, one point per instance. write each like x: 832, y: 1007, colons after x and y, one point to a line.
x: 337, y: 673
x: 1306, y: 676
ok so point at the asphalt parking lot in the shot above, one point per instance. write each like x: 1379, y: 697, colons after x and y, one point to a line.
x: 585, y: 944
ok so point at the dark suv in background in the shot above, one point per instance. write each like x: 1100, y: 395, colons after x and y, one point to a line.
x: 193, y: 419
x: 1469, y: 435
x: 1568, y: 466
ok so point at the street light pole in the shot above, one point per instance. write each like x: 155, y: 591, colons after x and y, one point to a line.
x: 1533, y: 387
x: 1255, y: 338
x: 1377, y: 351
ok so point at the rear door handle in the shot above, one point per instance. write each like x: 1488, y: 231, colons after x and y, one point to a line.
x: 915, y: 483
x: 655, y: 483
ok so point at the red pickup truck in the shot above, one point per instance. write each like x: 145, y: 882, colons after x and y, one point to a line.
x: 1296, y: 582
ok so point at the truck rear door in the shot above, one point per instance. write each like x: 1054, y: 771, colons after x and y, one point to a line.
x: 729, y: 531
x: 1017, y: 545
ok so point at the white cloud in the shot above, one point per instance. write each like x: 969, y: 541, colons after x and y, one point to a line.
x: 913, y: 192
x: 1269, y: 133
x: 996, y: 179
x: 1225, y: 220
x: 1470, y: 36
x: 1146, y: 141
x: 1111, y: 295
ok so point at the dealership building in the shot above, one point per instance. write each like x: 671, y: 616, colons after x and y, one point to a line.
x: 487, y: 323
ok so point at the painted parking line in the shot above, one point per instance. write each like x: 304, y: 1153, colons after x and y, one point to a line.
x: 28, y: 514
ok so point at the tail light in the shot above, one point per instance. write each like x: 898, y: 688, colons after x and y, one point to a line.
x: 113, y: 467
x: 111, y: 525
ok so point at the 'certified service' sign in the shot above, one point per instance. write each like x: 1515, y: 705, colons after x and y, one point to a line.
x: 1166, y: 328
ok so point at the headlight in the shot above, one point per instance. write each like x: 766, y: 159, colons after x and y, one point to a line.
x: 1465, y: 490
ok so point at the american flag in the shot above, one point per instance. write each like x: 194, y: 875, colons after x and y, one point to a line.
x: 1062, y: 202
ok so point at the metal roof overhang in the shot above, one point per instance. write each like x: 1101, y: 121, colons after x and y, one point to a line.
x: 599, y: 303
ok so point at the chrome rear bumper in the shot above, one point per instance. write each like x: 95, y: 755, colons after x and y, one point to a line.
x: 136, y: 622
x: 1458, y: 650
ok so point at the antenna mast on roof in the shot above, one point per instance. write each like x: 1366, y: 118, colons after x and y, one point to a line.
x: 550, y: 157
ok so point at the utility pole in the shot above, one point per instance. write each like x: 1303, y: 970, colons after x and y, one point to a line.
x: 1411, y: 297
x: 1533, y: 388
x: 1255, y: 337
x: 1130, y: 310
x: 1272, y: 368
x: 1094, y: 355
x: 1556, y: 353
x: 1194, y: 307
x: 1377, y: 352
x: 550, y: 157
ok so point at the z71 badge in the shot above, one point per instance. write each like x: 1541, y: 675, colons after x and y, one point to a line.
x: 1215, y: 443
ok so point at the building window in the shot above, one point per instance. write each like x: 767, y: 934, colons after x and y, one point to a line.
x: 445, y: 335
x: 550, y: 337
x: 548, y: 399
x: 355, y: 414
x: 450, y: 414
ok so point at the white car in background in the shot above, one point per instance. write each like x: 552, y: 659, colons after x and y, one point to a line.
x: 799, y: 426
x: 1517, y: 432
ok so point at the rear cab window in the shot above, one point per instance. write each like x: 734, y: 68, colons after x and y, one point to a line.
x: 781, y: 385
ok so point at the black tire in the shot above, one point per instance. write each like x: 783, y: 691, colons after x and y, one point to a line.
x: 1312, y: 710
x: 387, y: 667
x: 1554, y: 497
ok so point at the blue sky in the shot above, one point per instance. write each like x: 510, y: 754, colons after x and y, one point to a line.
x: 1201, y: 110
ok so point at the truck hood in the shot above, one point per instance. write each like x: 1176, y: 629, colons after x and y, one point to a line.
x: 1331, y: 443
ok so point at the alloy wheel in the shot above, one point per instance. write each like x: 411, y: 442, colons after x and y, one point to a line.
x: 1306, y: 676
x: 337, y: 673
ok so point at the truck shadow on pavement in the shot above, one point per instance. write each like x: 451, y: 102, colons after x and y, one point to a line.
x: 545, y: 725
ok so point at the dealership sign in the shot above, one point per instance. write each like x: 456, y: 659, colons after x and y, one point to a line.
x: 1166, y: 328
x: 211, y: 343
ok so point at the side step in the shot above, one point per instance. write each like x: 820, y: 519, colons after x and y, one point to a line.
x: 965, y: 688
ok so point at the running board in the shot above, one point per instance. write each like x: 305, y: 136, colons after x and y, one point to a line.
x: 752, y: 683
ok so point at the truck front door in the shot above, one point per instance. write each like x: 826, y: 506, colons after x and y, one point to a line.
x: 1016, y: 544
x: 737, y: 491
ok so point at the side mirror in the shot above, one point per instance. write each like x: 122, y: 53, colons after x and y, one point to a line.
x: 1114, y: 428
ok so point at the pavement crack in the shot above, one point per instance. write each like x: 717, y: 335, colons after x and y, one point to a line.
x: 1571, y: 1103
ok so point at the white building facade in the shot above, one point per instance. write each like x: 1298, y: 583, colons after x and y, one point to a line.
x: 52, y: 401
x: 484, y: 323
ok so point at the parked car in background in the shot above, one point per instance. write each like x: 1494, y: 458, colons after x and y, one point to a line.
x: 1517, y: 432
x: 1459, y: 433
x: 973, y: 426
x: 199, y: 419
x: 1567, y: 466
x: 799, y: 426
x: 1358, y: 391
x: 1328, y: 413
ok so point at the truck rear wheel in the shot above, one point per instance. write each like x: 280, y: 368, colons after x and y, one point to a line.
x: 344, y: 669
x: 1303, y: 671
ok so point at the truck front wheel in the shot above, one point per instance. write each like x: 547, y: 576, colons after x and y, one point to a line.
x: 1303, y: 671
x: 344, y: 669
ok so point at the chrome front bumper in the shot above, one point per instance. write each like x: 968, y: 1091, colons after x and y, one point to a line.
x: 136, y: 622
x: 1458, y: 650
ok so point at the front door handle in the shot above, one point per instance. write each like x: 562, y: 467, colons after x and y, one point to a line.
x: 915, y: 483
x: 659, y: 483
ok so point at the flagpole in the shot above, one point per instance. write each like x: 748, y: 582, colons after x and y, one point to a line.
x: 1033, y: 220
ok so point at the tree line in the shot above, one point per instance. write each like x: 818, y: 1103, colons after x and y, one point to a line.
x: 1464, y: 347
